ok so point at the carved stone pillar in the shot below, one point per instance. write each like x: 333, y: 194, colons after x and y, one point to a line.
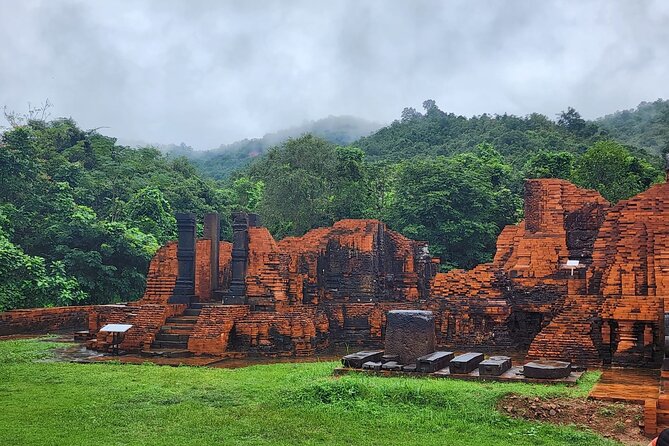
x: 184, y: 290
x: 240, y: 252
x: 212, y: 231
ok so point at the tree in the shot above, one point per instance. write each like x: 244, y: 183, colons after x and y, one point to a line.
x: 149, y: 211
x: 459, y: 204
x: 429, y: 105
x: 572, y: 121
x: 409, y: 114
x: 308, y: 183
x: 546, y: 164
x: 609, y: 167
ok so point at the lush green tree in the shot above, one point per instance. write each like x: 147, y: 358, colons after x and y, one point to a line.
x: 610, y: 168
x: 308, y: 183
x: 149, y: 211
x: 545, y: 164
x: 459, y: 204
x: 30, y: 281
x: 645, y: 127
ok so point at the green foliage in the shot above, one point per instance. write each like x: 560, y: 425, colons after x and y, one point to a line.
x: 308, y: 183
x: 646, y: 127
x: 610, y: 168
x: 152, y: 214
x: 29, y: 281
x: 222, y: 163
x: 282, y: 404
x: 82, y: 216
x: 457, y: 204
x: 545, y: 164
x: 440, y: 133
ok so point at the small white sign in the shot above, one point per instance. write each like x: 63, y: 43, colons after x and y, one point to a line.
x: 116, y: 328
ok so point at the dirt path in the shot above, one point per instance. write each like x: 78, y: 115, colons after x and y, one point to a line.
x: 619, y: 421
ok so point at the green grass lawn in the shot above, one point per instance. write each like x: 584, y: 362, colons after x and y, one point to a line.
x: 53, y: 403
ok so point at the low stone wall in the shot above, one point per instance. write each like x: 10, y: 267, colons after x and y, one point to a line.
x: 43, y: 320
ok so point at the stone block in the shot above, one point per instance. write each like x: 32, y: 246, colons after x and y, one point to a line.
x: 356, y: 360
x: 466, y: 363
x: 434, y: 361
x: 372, y: 365
x: 546, y: 369
x: 389, y: 358
x: 410, y: 334
x: 392, y: 365
x: 409, y: 368
x: 494, y: 366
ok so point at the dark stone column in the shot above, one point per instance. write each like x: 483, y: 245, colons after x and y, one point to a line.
x: 184, y: 290
x: 212, y: 231
x: 410, y: 334
x: 240, y: 253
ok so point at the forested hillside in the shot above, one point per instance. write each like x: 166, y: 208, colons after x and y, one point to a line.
x: 221, y: 162
x: 81, y: 216
x: 645, y: 127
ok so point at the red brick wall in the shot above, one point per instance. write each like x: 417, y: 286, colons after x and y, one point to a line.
x: 43, y: 320
x: 212, y: 330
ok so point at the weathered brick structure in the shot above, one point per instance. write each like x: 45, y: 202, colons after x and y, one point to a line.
x: 335, y: 285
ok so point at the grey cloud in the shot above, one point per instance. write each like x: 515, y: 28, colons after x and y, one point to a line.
x: 211, y: 72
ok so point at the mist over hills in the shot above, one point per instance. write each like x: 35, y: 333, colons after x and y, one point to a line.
x: 645, y: 129
x: 220, y: 162
x: 646, y: 126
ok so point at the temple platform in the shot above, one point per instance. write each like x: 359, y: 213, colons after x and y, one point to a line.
x: 627, y: 385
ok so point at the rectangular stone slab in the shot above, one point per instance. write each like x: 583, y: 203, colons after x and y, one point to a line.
x: 409, y: 368
x: 372, y: 365
x: 547, y: 369
x: 392, y: 365
x: 433, y: 362
x: 466, y: 363
x: 494, y: 366
x: 389, y: 358
x: 356, y: 360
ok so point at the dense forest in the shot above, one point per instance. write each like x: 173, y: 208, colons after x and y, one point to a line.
x: 81, y: 216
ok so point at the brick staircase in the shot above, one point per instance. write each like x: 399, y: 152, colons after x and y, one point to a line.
x: 172, y: 339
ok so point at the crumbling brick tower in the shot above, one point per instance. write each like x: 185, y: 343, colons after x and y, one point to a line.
x: 630, y: 272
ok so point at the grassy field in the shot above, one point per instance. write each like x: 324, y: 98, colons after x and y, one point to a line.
x: 54, y: 403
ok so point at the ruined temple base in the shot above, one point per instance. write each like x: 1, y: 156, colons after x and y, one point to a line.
x: 514, y: 374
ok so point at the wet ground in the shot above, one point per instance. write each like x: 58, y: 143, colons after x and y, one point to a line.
x: 76, y: 351
x: 630, y: 385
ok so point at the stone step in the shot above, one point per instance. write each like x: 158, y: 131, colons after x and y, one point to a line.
x: 171, y: 337
x: 167, y: 353
x: 186, y: 329
x: 169, y: 344
x: 192, y: 312
x: 181, y: 320
x: 201, y: 305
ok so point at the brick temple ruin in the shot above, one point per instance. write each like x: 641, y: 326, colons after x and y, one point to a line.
x: 334, y: 286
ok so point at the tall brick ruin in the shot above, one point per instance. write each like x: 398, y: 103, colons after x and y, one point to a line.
x: 334, y: 286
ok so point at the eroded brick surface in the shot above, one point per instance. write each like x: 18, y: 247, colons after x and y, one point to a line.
x: 42, y: 320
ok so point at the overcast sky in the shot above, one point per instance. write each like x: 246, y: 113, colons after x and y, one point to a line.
x: 212, y: 72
